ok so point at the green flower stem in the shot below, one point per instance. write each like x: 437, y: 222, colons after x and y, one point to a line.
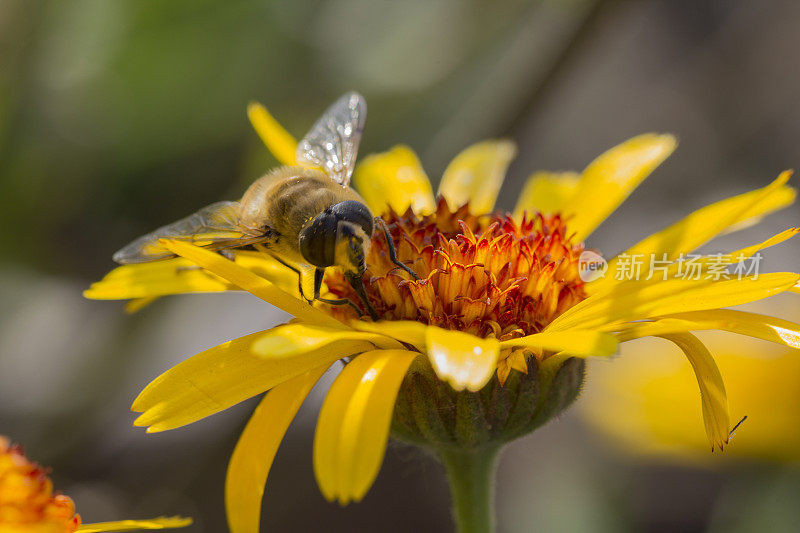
x: 471, y: 476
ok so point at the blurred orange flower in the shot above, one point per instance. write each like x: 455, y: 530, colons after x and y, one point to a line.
x: 28, y: 504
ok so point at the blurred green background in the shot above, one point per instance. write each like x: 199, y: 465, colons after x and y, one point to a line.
x: 119, y: 116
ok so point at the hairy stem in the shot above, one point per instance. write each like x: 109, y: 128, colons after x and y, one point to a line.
x: 470, y: 473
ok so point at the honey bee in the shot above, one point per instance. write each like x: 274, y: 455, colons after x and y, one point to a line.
x: 302, y: 216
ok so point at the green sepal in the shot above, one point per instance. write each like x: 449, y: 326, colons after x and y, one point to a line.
x: 430, y: 413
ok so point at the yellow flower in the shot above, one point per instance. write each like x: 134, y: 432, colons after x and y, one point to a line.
x: 28, y: 504
x: 496, y: 293
x: 639, y: 401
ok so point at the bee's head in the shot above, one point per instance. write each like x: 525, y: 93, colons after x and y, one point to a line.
x: 339, y: 236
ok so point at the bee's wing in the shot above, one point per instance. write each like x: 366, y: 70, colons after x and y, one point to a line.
x: 333, y: 141
x: 215, y: 226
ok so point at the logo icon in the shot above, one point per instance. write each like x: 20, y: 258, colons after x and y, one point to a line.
x: 591, y: 266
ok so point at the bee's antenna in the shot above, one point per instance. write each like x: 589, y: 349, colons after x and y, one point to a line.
x: 392, y: 251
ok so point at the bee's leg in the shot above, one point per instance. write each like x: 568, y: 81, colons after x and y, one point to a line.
x: 358, y: 284
x: 299, y: 276
x: 318, y: 274
x: 393, y: 252
x: 264, y: 249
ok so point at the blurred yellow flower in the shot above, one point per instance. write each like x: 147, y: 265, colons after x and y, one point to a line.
x: 28, y: 504
x: 496, y: 294
x: 640, y: 401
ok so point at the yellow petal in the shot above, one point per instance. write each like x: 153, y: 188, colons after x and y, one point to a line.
x: 749, y: 251
x: 612, y: 177
x: 706, y: 223
x: 764, y: 327
x: 637, y: 330
x: 640, y: 300
x: 647, y: 400
x: 180, y: 276
x: 547, y: 192
x: 731, y: 258
x: 353, y: 426
x: 289, y: 339
x: 463, y: 360
x: 227, y: 374
x: 159, y: 278
x: 776, y: 196
x: 252, y: 458
x: 395, y: 179
x: 575, y: 342
x: 709, y: 267
x: 134, y: 306
x: 517, y: 361
x: 407, y: 331
x: 751, y: 324
x: 468, y: 362
x: 476, y: 174
x: 503, y: 370
x: 136, y: 525
x: 251, y: 282
x: 279, y: 141
x: 712, y: 388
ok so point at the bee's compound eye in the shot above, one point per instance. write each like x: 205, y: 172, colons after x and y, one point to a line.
x: 318, y: 240
x: 356, y: 213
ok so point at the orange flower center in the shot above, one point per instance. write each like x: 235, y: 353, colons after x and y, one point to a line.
x: 26, y: 495
x: 488, y: 275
